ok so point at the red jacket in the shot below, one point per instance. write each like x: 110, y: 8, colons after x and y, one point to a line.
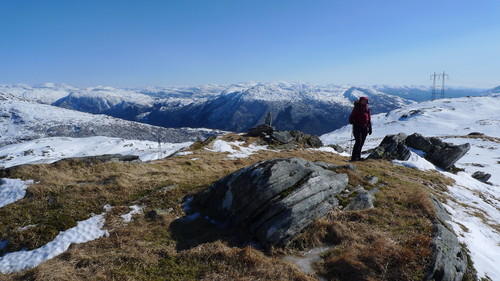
x: 360, y: 115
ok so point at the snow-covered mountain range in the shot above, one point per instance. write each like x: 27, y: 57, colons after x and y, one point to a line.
x: 238, y: 107
x: 22, y: 120
x: 313, y: 109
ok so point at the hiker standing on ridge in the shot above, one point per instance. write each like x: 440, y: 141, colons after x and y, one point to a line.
x: 361, y: 126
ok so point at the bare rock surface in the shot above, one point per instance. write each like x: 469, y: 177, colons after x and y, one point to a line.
x: 439, y: 153
x: 274, y: 200
x: 449, y: 261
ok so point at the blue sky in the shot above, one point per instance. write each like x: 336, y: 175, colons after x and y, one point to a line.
x: 192, y: 42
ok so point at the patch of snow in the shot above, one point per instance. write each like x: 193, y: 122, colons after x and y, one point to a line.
x: 135, y: 210
x: 325, y: 149
x: 235, y: 149
x: 85, y: 231
x: 483, y: 156
x: 417, y: 162
x: 221, y: 146
x: 12, y: 190
x: 306, y: 259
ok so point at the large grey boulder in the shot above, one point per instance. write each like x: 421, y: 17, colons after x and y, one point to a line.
x: 441, y: 154
x: 392, y: 147
x: 273, y: 200
x: 282, y: 136
x: 449, y: 261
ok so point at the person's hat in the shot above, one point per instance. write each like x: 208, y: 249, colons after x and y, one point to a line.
x: 363, y: 98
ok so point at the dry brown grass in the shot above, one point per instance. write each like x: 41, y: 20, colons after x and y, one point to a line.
x: 367, y: 251
x: 390, y: 242
x: 144, y: 250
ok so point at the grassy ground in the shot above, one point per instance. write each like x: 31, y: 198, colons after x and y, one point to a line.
x: 389, y: 242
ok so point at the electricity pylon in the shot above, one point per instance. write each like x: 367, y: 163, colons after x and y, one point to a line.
x: 442, y: 76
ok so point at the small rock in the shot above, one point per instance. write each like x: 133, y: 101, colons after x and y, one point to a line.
x: 350, y: 167
x: 362, y: 201
x: 475, y: 134
x: 481, y: 176
x: 371, y: 180
x: 151, y: 215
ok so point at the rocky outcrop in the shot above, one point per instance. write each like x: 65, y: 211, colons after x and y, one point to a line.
x: 392, y: 147
x: 441, y: 154
x: 481, y: 176
x: 273, y: 200
x: 105, y: 158
x: 284, y: 139
x: 449, y: 259
x: 261, y: 130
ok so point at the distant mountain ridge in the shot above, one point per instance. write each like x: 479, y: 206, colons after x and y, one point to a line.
x: 424, y: 93
x: 313, y: 109
x: 21, y: 120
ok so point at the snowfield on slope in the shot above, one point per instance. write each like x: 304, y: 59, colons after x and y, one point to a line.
x: 49, y: 150
x: 22, y: 120
x: 475, y: 211
x: 474, y: 206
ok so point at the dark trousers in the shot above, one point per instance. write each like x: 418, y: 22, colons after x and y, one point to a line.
x: 360, y: 134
